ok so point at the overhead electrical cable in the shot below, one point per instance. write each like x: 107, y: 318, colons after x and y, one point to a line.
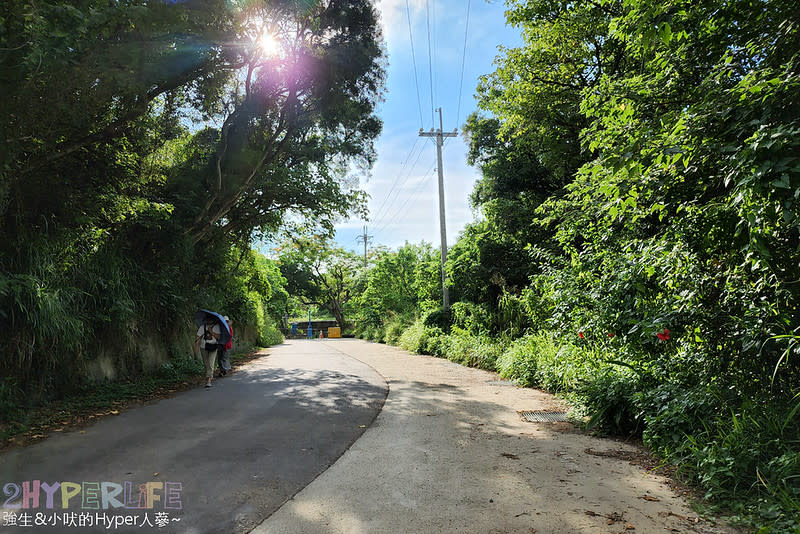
x: 414, y: 62
x: 463, y: 58
x: 413, y: 196
x: 435, y: 54
x: 430, y: 60
x: 397, y: 178
x: 379, y: 217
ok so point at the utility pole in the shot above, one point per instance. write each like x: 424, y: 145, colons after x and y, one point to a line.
x: 440, y: 135
x: 366, y: 239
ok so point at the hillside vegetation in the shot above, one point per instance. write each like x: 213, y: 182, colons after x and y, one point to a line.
x: 145, y: 147
x: 637, y: 244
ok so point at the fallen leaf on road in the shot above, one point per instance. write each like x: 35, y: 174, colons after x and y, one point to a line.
x: 629, y: 527
x: 649, y: 498
x: 509, y: 455
x: 115, y: 412
x: 362, y: 426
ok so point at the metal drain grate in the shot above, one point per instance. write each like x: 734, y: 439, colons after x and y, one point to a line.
x: 501, y: 383
x: 543, y: 416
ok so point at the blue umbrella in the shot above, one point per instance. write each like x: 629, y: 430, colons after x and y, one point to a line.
x: 200, y: 319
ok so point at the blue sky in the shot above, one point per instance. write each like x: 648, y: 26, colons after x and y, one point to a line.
x: 403, y: 184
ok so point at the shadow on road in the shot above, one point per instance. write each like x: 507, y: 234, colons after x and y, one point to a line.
x: 238, y: 450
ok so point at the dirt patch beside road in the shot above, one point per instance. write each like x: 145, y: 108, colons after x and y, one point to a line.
x: 450, y: 453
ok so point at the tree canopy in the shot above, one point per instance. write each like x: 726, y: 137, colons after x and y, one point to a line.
x: 320, y: 274
x: 140, y: 141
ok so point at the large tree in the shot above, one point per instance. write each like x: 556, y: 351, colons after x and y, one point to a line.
x: 321, y: 274
x: 526, y: 142
x: 139, y: 140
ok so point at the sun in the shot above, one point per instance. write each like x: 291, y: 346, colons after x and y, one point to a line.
x: 268, y: 44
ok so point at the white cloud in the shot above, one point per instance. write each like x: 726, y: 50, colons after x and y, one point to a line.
x: 394, y: 16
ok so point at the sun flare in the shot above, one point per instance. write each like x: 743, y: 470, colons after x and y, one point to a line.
x: 268, y: 44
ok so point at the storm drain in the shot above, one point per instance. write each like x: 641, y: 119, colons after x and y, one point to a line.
x: 501, y: 383
x: 544, y: 416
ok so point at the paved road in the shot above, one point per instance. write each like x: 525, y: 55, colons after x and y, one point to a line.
x: 450, y: 453
x: 239, y: 450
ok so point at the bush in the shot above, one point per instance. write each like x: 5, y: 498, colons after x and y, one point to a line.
x: 473, y: 318
x: 672, y: 412
x: 269, y: 335
x: 393, y: 331
x: 749, y: 460
x: 472, y: 350
x: 439, y: 318
x: 519, y: 362
x: 10, y: 394
x: 415, y: 337
x: 610, y: 397
x: 435, y: 343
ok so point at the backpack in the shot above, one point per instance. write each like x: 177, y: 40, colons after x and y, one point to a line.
x: 211, y: 343
x: 229, y: 344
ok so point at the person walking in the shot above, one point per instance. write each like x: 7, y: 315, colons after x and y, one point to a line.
x: 224, y: 360
x: 206, y: 341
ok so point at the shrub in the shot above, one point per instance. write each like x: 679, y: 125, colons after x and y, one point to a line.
x: 519, y: 361
x: 269, y: 335
x: 610, y: 397
x: 439, y: 318
x: 393, y: 332
x: 377, y: 334
x: 414, y: 338
x: 10, y: 394
x: 749, y: 459
x: 471, y: 317
x: 472, y: 350
x: 672, y: 412
x: 435, y: 343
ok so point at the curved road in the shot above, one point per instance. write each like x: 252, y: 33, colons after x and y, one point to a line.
x: 232, y: 454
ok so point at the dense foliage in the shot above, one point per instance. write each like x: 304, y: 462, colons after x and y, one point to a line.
x: 320, y: 275
x: 144, y: 145
x: 638, y: 245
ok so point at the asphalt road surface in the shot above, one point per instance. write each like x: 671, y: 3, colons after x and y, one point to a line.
x: 218, y: 460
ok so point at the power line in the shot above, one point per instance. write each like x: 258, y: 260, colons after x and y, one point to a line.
x: 412, y: 196
x: 463, y: 58
x: 430, y: 61
x: 380, y: 215
x: 435, y: 56
x: 397, y: 193
x: 414, y: 62
x: 397, y: 178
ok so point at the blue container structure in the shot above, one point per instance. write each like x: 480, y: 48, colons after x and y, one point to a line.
x: 294, y: 329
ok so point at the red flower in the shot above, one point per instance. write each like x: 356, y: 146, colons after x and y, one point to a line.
x: 580, y: 335
x: 610, y: 335
x: 663, y: 336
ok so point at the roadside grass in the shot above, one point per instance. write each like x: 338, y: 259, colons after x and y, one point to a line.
x: 24, y: 425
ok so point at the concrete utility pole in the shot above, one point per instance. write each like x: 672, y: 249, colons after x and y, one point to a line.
x: 366, y: 239
x: 440, y: 135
